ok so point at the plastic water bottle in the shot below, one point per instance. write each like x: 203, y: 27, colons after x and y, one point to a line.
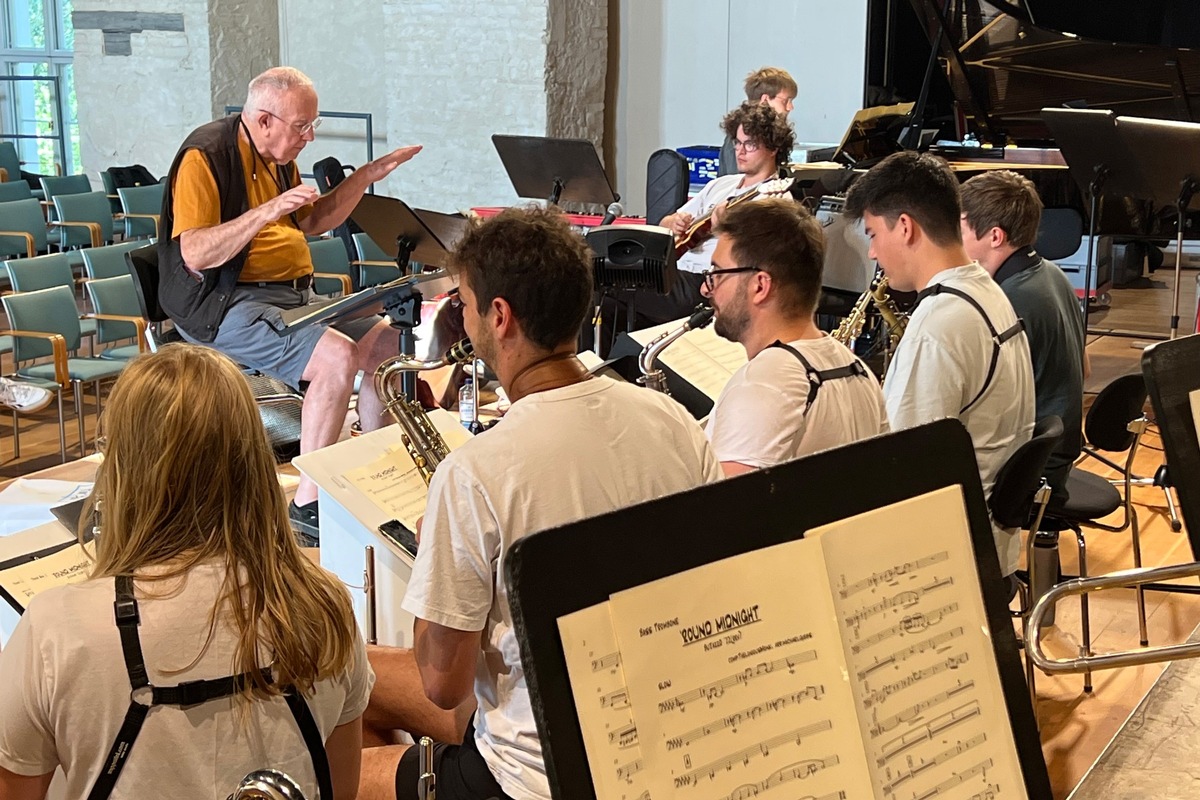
x: 466, y: 405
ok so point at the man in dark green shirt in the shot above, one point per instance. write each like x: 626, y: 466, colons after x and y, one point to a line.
x: 1001, y: 213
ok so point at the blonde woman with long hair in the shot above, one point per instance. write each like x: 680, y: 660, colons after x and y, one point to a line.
x: 201, y: 616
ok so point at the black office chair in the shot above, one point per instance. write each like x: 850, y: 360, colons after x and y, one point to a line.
x: 1115, y: 424
x: 666, y: 184
x: 279, y: 405
x: 1060, y: 233
x: 328, y: 173
x: 1019, y: 498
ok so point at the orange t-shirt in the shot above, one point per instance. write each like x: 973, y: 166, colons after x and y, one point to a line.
x: 278, y: 252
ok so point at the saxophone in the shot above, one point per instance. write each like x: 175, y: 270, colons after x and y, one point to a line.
x: 654, y: 378
x: 420, y: 437
x: 267, y: 784
x: 876, y: 295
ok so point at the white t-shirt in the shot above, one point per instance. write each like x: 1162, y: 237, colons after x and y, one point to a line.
x: 716, y: 191
x: 64, y: 692
x: 762, y: 417
x: 941, y: 364
x: 558, y: 456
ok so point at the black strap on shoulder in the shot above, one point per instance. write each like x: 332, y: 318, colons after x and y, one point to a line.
x: 998, y: 338
x: 186, y: 694
x: 312, y: 740
x: 816, y: 377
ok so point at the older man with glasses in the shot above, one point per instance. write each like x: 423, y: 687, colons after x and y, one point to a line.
x: 762, y: 140
x: 236, y: 256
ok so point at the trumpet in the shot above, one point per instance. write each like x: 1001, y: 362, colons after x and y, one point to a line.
x: 267, y: 784
x: 421, y: 439
x: 876, y: 295
x: 654, y: 378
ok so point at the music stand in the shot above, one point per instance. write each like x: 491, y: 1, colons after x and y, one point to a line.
x: 1167, y: 154
x: 1172, y: 372
x: 1100, y: 162
x: 870, y: 136
x: 561, y: 170
x: 406, y: 233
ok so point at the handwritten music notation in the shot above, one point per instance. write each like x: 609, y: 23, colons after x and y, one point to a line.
x: 959, y: 778
x: 921, y: 765
x: 877, y: 696
x: 617, y: 699
x: 738, y: 718
x: 904, y: 599
x: 717, y: 688
x: 606, y: 662
x: 744, y: 756
x: 926, y: 732
x: 792, y: 772
x: 912, y: 623
x: 913, y: 711
x: 931, y: 643
x: 891, y: 574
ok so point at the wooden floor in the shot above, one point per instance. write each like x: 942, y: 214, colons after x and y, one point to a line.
x: 1075, y: 727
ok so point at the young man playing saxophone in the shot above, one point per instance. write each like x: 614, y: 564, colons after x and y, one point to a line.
x: 581, y: 446
x: 801, y: 390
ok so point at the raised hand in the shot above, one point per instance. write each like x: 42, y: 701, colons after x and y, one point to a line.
x: 382, y: 167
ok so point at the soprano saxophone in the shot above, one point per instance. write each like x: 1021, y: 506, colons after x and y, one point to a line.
x: 420, y: 437
x: 654, y: 378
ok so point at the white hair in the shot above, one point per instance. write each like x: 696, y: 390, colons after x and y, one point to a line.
x: 273, y: 83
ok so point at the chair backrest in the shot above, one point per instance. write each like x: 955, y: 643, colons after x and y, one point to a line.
x: 329, y: 256
x: 50, y: 310
x: 1118, y: 404
x: 367, y: 250
x: 1021, y: 475
x: 108, y: 261
x: 89, y: 207
x: 22, y: 215
x: 114, y: 296
x: 666, y: 184
x: 1060, y: 233
x: 141, y: 200
x: 329, y: 172
x: 10, y: 161
x: 143, y: 266
x: 17, y: 189
x: 41, y: 272
x: 53, y: 185
x: 110, y: 191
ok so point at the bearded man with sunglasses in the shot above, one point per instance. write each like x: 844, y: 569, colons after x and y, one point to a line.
x: 801, y: 390
x: 233, y: 255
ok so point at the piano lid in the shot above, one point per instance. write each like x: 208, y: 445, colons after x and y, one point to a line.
x: 1005, y: 62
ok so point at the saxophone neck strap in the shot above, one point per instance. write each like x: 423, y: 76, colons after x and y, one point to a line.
x: 816, y: 377
x: 185, y: 695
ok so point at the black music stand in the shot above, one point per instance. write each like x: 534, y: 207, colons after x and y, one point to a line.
x: 561, y: 170
x: 407, y: 234
x: 1167, y: 154
x: 1100, y: 163
x: 638, y: 545
x: 1172, y: 373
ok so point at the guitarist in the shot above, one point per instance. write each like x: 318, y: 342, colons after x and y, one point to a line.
x: 763, y: 138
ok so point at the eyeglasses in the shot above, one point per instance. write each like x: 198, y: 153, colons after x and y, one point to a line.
x: 709, y: 275
x: 302, y: 128
x: 749, y: 145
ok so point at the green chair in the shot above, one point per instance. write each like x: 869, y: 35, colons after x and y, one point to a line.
x: 110, y: 191
x: 15, y: 190
x: 108, y: 261
x: 44, y: 272
x: 22, y: 228
x: 45, y: 325
x: 373, y: 264
x: 84, y: 220
x: 331, y: 267
x: 118, y: 316
x: 54, y: 185
x: 10, y: 162
x: 141, y: 207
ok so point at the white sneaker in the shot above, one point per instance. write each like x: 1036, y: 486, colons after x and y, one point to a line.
x: 24, y: 397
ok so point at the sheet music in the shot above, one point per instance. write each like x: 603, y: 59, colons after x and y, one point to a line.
x: 735, y: 680
x: 393, y: 484
x: 700, y: 357
x: 22, y: 582
x: 601, y: 700
x: 1194, y: 399
x: 922, y: 667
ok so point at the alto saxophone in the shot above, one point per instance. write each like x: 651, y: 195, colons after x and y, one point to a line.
x: 421, y: 439
x: 267, y: 784
x: 876, y: 295
x: 654, y: 378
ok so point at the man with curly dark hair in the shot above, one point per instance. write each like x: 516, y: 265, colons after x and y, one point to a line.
x: 763, y: 138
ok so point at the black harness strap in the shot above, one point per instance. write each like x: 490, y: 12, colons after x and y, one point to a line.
x: 186, y: 694
x: 998, y: 338
x: 816, y: 377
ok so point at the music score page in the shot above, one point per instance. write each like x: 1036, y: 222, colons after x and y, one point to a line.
x: 700, y: 357
x: 854, y: 663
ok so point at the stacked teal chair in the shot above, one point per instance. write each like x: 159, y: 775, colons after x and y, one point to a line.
x: 83, y: 220
x: 54, y: 185
x: 43, y: 272
x: 15, y: 190
x: 373, y: 264
x: 118, y: 316
x: 22, y: 229
x: 10, y: 162
x: 110, y: 191
x: 108, y: 261
x: 45, y: 325
x: 331, y: 267
x: 141, y: 207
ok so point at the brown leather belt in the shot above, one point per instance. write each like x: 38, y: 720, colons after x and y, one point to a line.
x: 299, y: 284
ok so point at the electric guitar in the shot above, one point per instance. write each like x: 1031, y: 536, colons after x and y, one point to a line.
x: 701, y: 229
